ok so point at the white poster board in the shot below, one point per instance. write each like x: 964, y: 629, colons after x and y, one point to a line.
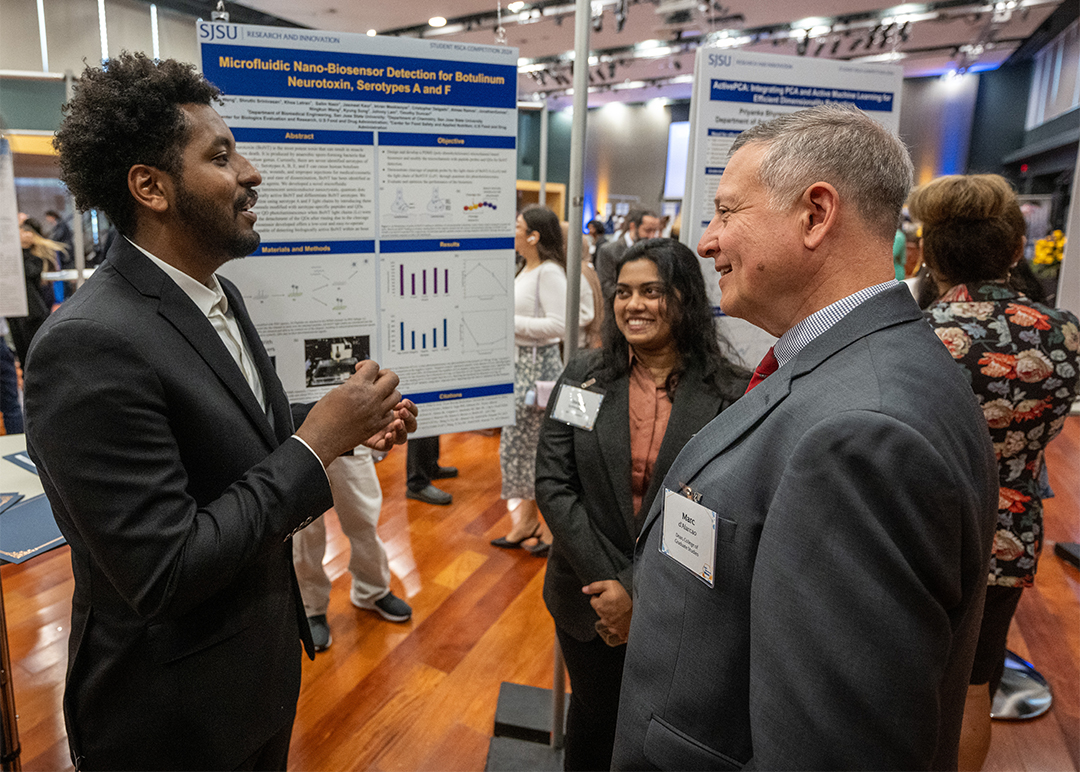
x: 734, y: 91
x: 386, y: 211
x: 12, y: 278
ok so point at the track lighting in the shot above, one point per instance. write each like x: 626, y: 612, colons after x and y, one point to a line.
x: 621, y: 12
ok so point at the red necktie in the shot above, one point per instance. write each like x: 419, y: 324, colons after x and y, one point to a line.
x: 764, y: 370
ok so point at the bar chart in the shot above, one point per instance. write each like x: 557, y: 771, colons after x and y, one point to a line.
x: 417, y: 337
x: 433, y: 281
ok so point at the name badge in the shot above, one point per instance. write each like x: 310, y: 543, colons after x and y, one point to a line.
x: 577, y: 407
x: 689, y: 535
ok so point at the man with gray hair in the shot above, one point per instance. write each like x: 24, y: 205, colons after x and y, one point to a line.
x: 808, y: 590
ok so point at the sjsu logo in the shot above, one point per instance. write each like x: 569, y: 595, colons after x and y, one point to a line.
x: 214, y: 31
x: 719, y: 60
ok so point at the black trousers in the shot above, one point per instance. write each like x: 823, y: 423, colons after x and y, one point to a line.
x: 989, y: 665
x: 273, y: 756
x: 422, y: 462
x: 595, y: 680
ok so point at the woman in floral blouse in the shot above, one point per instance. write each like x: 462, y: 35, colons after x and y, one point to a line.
x: 1022, y: 358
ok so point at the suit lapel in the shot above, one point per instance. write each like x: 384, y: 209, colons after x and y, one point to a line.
x: 612, y: 433
x: 721, y: 432
x: 277, y: 402
x: 693, y: 408
x: 179, y: 310
x: 891, y: 307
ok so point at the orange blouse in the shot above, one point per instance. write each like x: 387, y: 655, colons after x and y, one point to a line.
x: 650, y: 410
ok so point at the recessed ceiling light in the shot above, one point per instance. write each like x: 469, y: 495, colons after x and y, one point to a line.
x: 515, y: 7
x: 371, y: 33
x: 436, y: 21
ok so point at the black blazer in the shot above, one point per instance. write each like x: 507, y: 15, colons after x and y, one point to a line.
x: 178, y: 495
x: 583, y: 486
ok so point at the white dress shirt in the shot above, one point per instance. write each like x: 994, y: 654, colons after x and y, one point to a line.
x: 211, y: 300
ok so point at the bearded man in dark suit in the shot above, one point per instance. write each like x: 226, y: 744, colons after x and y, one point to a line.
x: 165, y: 445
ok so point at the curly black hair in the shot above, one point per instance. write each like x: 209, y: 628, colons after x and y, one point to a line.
x: 124, y: 114
x: 692, y: 325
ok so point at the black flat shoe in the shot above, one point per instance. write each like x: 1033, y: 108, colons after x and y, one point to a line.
x: 540, y: 549
x: 514, y: 545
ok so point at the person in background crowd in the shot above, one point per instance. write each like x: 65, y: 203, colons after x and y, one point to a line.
x: 597, y: 237
x: 357, y: 502
x: 591, y: 316
x: 422, y: 466
x: 590, y: 297
x: 163, y: 440
x: 60, y: 232
x: 807, y: 592
x: 663, y: 377
x: 10, y: 408
x: 640, y: 224
x: 539, y: 327
x: 39, y: 255
x: 1022, y: 359
x: 899, y: 252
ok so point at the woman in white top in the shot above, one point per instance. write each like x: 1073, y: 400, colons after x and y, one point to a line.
x: 539, y: 326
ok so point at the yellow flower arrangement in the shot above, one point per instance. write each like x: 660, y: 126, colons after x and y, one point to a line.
x: 1051, y: 250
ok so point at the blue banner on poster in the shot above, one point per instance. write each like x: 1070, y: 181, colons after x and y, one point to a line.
x: 304, y: 136
x: 276, y: 72
x: 448, y: 395
x: 391, y: 138
x: 444, y: 245
x: 309, y: 248
x: 797, y: 96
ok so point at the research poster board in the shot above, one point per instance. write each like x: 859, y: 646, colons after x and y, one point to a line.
x: 734, y: 91
x: 386, y: 210
x: 12, y: 278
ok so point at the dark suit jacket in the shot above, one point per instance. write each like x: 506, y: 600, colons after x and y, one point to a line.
x: 856, y: 492
x: 604, y: 262
x: 178, y: 497
x: 583, y: 486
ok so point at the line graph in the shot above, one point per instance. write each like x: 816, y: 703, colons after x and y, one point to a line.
x: 485, y: 278
x: 483, y: 330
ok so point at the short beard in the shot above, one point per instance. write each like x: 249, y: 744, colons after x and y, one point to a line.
x: 199, y: 214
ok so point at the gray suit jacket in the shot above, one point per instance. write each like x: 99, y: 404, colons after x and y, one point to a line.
x: 604, y: 262
x: 178, y: 497
x: 583, y: 486
x: 856, y: 496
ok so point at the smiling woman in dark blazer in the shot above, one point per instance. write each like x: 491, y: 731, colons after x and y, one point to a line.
x: 663, y: 377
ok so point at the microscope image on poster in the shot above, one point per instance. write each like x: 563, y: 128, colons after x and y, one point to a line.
x: 332, y: 361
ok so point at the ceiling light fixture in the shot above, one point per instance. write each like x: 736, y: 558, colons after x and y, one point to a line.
x: 437, y: 21
x: 371, y: 33
x: 621, y: 12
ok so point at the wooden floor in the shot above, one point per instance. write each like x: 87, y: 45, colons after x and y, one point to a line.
x: 421, y: 695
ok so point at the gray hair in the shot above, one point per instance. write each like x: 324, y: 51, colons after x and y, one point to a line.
x: 866, y: 163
